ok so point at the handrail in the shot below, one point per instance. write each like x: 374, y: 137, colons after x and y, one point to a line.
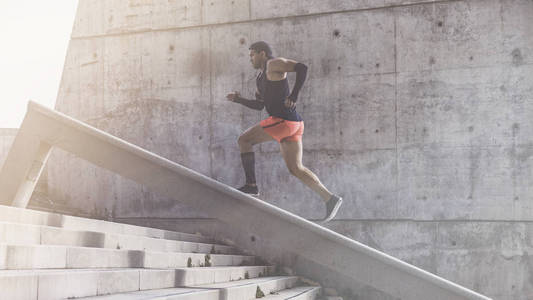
x: 44, y: 128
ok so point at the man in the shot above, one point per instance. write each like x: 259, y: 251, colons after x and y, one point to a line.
x: 284, y: 124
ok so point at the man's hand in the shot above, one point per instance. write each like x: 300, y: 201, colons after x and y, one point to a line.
x: 232, y: 97
x: 289, y: 103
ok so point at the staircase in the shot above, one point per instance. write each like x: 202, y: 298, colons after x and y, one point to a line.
x: 51, y: 256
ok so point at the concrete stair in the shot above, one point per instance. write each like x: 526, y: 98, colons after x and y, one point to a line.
x: 298, y: 293
x: 270, y: 287
x: 50, y: 256
x: 32, y: 217
x: 13, y: 257
x: 24, y: 234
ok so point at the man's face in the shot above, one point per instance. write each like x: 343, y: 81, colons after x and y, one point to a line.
x: 256, y: 59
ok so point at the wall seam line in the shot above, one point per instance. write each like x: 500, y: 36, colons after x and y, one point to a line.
x: 250, y: 21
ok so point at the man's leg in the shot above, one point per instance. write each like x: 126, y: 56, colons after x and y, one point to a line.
x: 247, y: 140
x: 292, y: 154
x: 252, y: 136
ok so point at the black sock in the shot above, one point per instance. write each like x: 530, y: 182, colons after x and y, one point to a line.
x: 248, y: 163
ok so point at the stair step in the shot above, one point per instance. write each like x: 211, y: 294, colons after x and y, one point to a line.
x: 162, y: 294
x: 234, y: 290
x: 199, y: 276
x: 34, y: 217
x: 70, y: 283
x: 297, y: 293
x: 14, y: 257
x: 26, y: 234
x: 246, y: 289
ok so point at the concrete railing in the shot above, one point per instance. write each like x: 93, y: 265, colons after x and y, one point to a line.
x: 330, y: 253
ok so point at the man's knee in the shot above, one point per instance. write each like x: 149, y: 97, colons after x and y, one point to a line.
x: 296, y: 170
x: 242, y: 141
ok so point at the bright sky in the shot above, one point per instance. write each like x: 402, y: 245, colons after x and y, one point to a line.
x: 34, y: 37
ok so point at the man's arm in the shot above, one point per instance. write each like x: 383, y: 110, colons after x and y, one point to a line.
x: 253, y: 104
x: 282, y: 65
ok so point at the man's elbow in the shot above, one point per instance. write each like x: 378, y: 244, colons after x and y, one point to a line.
x: 299, y: 67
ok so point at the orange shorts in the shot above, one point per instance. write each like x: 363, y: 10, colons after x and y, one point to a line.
x: 283, y: 130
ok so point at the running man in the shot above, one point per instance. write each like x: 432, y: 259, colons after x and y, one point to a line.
x: 284, y: 124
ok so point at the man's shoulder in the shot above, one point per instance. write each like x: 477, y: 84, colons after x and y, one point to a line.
x: 276, y: 60
x: 277, y: 64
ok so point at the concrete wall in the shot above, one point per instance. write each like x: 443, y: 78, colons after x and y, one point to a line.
x: 7, y: 136
x: 417, y: 112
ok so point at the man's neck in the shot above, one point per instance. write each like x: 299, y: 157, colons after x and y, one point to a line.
x: 263, y: 64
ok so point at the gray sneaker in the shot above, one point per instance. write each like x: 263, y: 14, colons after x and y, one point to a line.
x: 332, y: 207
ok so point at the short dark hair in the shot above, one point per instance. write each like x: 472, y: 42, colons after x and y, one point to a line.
x: 261, y: 46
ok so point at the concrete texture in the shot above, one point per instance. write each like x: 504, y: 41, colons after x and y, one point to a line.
x: 416, y: 110
x: 487, y: 256
x: 320, y: 253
